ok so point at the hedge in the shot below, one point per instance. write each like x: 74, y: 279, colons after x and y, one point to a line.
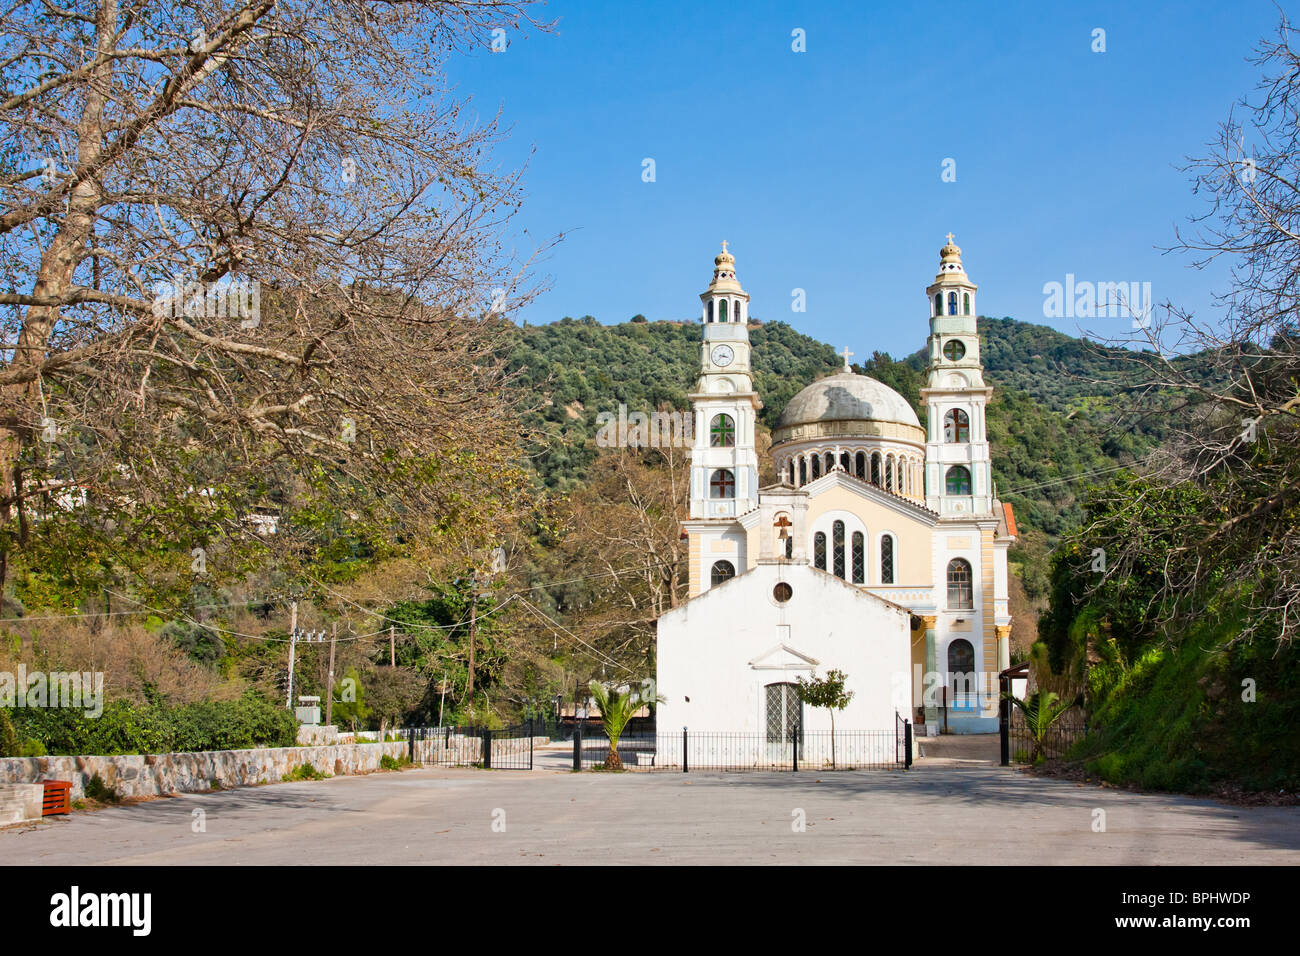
x: 127, y: 728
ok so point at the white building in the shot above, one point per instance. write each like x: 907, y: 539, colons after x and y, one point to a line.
x: 880, y: 551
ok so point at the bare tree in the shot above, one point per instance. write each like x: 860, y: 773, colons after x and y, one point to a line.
x: 249, y: 246
x: 1227, y: 382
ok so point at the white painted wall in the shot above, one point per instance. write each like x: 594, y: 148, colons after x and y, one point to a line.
x: 722, y: 648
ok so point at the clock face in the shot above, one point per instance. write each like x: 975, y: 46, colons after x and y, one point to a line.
x: 954, y: 350
x: 722, y: 355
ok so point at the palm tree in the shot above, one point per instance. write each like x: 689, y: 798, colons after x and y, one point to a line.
x: 1042, y: 708
x: 617, y: 706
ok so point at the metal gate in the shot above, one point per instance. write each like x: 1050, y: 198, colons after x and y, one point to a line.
x: 510, y: 748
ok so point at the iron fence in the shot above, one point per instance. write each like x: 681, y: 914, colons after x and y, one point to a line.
x: 692, y: 750
x: 1057, y: 742
x: 509, y: 748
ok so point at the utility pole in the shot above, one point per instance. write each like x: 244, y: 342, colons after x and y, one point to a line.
x: 329, y: 696
x: 293, y: 638
x: 473, y: 627
x: 392, y: 647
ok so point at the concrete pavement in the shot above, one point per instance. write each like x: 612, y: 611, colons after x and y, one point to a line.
x: 947, y: 810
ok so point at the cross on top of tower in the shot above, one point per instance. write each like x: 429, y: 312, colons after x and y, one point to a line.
x: 724, y: 245
x: 847, y: 354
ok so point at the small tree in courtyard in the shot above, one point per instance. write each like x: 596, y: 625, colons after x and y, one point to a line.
x: 826, y: 692
x: 618, y: 704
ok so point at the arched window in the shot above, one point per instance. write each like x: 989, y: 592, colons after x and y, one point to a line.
x: 830, y: 463
x: 844, y: 462
x: 722, y: 571
x: 722, y: 431
x: 938, y: 303
x: 816, y: 467
x: 958, y: 480
x: 859, y: 558
x: 722, y: 310
x: 875, y: 470
x: 792, y: 471
x: 889, y: 473
x: 952, y: 305
x: 710, y: 311
x: 722, y: 484
x: 784, y: 714
x: 887, y: 559
x: 837, y: 546
x: 860, y: 465
x: 819, y: 550
x: 961, y: 675
x: 803, y: 472
x: 966, y: 303
x: 735, y: 310
x: 956, y: 426
x: 961, y: 594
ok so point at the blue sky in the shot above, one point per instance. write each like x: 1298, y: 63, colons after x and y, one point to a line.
x: 823, y: 168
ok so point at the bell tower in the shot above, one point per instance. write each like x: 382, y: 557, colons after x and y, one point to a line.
x: 724, y: 462
x: 958, y: 470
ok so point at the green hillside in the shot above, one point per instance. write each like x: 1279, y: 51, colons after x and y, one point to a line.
x: 1049, y: 421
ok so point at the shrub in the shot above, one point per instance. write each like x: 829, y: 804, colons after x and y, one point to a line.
x: 96, y: 789
x: 387, y: 762
x: 304, y: 771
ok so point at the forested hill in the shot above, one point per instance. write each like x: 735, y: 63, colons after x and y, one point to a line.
x: 1048, y: 420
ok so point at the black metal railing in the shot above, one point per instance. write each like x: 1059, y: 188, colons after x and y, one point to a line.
x: 689, y: 751
x: 508, y: 748
x: 1057, y: 742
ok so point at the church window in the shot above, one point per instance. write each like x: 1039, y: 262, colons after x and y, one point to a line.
x: 735, y: 311
x: 859, y: 557
x: 954, y: 350
x: 782, y: 592
x: 722, y: 484
x: 956, y: 426
x: 792, y: 481
x: 816, y: 467
x: 952, y: 305
x: 875, y: 469
x: 819, y: 551
x: 830, y: 463
x: 960, y: 590
x: 889, y: 473
x: 958, y: 480
x: 837, y: 547
x: 784, y: 713
x: 722, y: 432
x: 722, y: 571
x: 844, y: 462
x: 938, y: 303
x: 887, y: 559
x: 789, y: 548
x: 966, y: 303
x: 803, y: 472
x: 722, y: 310
x: 860, y: 465
x: 710, y: 312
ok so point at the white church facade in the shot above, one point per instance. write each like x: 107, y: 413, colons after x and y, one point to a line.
x: 879, y: 551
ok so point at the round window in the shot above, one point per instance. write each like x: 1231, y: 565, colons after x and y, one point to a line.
x: 782, y: 592
x: 954, y: 350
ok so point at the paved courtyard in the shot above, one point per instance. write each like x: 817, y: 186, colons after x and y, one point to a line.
x: 953, y: 807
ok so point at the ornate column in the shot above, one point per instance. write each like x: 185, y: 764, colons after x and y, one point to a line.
x: 1003, y: 632
x: 931, y: 667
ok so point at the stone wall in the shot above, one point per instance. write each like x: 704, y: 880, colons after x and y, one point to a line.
x: 151, y: 775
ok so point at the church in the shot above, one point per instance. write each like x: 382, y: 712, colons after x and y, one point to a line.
x: 880, y: 550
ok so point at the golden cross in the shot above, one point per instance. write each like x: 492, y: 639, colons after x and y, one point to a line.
x: 949, y: 239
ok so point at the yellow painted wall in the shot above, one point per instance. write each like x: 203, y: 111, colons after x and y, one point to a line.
x: 914, y: 538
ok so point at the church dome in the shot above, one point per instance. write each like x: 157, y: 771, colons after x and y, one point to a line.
x: 847, y: 397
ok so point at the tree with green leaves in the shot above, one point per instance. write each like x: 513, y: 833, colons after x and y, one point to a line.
x: 1042, y: 709
x: 617, y: 705
x: 828, y: 692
